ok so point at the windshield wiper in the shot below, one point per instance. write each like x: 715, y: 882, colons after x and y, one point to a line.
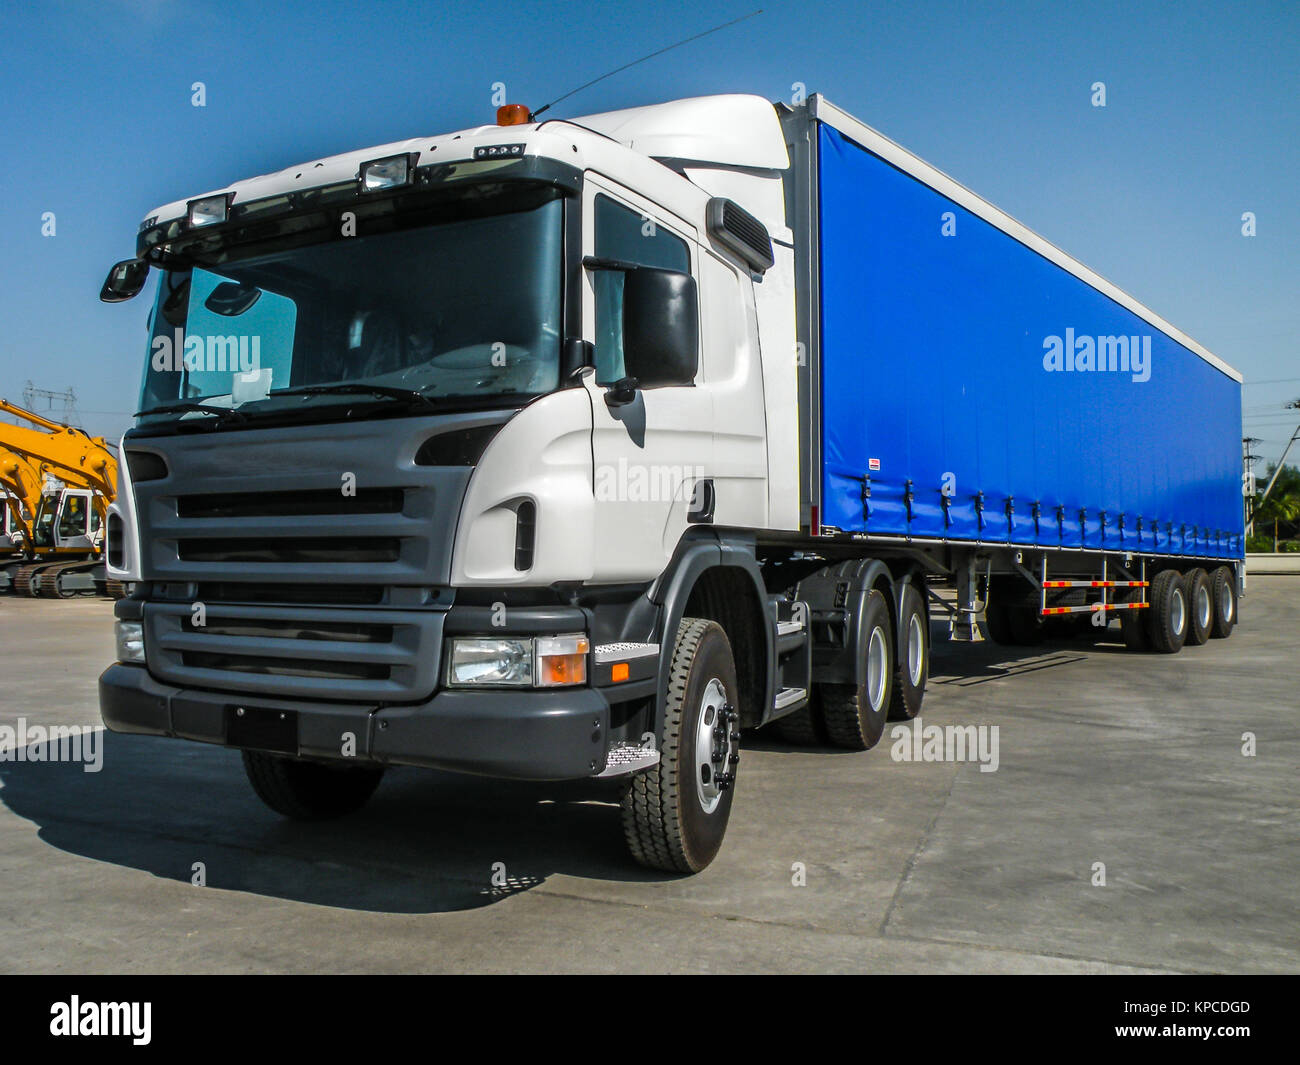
x: 347, y: 388
x: 223, y: 413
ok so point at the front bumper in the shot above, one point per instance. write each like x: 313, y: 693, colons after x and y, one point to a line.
x: 522, y: 735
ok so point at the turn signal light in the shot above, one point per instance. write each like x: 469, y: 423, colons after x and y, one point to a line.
x: 561, y: 660
x: 513, y: 115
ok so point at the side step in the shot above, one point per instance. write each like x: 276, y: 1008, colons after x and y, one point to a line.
x: 793, y: 677
x: 625, y: 758
x: 789, y: 697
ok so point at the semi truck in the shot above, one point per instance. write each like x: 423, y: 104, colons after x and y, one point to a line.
x: 574, y: 449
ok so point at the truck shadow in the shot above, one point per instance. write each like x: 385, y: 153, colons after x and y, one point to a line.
x: 959, y: 665
x: 427, y: 842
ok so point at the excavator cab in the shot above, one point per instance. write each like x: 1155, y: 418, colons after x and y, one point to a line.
x: 76, y: 527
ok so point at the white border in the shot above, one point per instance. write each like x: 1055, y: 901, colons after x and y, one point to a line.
x: 877, y: 143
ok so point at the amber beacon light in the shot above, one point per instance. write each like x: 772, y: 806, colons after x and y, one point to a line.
x: 513, y: 115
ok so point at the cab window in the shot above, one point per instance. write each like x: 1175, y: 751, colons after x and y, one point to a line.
x: 627, y: 236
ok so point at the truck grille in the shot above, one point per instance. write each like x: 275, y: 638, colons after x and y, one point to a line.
x: 316, y: 551
x: 346, y: 654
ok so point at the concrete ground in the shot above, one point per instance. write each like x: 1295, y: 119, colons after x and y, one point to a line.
x: 1134, y: 761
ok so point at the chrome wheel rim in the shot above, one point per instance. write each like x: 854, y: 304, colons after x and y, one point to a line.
x: 717, y: 746
x: 915, y: 650
x: 877, y: 667
x: 1178, y: 612
x: 1204, y: 609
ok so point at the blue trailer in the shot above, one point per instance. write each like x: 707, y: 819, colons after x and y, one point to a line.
x: 972, y: 395
x: 976, y: 384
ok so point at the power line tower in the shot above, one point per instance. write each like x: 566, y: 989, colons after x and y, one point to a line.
x: 67, y: 402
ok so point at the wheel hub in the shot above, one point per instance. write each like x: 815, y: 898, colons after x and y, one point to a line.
x: 717, y: 746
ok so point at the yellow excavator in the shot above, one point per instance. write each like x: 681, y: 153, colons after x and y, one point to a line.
x: 64, y: 478
x: 20, y: 492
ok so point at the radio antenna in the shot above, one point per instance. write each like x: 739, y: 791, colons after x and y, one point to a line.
x: 634, y: 62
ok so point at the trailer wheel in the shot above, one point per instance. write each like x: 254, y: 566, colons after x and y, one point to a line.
x: 1133, y: 626
x: 1027, y: 628
x: 912, y: 655
x: 1168, y: 621
x: 1200, y: 606
x: 1225, y: 603
x: 997, y: 622
x: 675, y: 813
x: 803, y: 727
x: 854, y: 714
x: 309, y: 791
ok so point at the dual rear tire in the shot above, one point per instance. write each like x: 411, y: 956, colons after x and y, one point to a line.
x: 894, y: 672
x: 1186, y: 609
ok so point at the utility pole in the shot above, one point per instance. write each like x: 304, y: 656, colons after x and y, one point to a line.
x: 1278, y: 468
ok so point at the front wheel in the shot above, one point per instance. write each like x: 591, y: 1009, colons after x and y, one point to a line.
x: 675, y: 813
x: 309, y: 791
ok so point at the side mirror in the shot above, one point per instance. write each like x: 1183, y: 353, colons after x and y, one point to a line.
x: 661, y: 330
x: 124, y: 281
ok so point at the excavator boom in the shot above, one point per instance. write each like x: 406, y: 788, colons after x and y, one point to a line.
x: 70, y: 454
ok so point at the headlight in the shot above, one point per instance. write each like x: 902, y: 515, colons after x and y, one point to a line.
x: 522, y: 662
x: 387, y: 173
x: 491, y: 662
x: 130, y: 641
x: 210, y: 211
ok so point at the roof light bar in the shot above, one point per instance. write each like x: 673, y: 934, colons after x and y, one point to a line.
x: 391, y: 172
x: 209, y: 211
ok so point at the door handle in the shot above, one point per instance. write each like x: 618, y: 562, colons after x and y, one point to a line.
x: 703, y: 498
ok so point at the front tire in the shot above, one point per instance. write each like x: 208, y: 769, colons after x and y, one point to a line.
x: 675, y: 813
x: 309, y: 791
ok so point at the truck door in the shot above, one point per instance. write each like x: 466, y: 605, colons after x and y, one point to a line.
x: 648, y: 455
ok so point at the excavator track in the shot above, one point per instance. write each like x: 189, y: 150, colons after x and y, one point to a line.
x: 24, y: 577
x: 49, y: 582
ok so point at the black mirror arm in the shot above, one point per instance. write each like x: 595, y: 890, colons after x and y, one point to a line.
x: 621, y: 392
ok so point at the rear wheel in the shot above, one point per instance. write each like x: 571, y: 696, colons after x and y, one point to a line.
x: 854, y: 714
x: 803, y: 727
x: 1133, y: 626
x: 675, y: 813
x: 1224, y: 585
x: 997, y: 622
x: 309, y: 791
x: 1167, y: 615
x: 912, y: 656
x: 1200, y: 603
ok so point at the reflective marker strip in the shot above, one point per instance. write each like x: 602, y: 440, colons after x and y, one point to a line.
x: 1095, y: 608
x: 1096, y: 584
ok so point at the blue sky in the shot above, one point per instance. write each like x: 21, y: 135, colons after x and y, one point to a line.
x: 1201, y: 125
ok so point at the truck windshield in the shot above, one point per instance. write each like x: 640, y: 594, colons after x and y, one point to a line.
x: 465, y: 309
